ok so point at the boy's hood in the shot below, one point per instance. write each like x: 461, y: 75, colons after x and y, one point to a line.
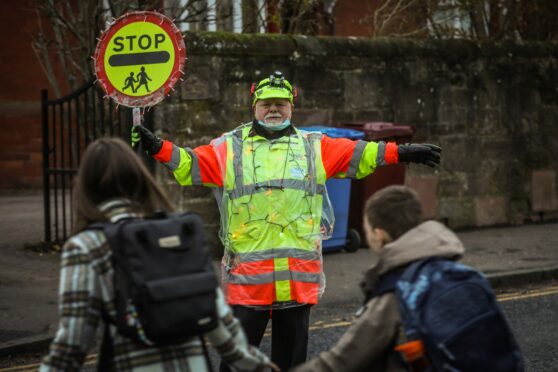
x: 428, y: 239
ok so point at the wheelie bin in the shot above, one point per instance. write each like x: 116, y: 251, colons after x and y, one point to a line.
x: 382, y: 177
x: 339, y: 191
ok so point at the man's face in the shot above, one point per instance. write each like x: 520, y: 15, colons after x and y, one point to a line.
x: 273, y: 111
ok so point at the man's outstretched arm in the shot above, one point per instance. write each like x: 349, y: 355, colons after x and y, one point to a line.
x: 199, y: 166
x: 344, y: 158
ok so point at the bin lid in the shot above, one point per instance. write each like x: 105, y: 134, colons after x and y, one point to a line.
x: 335, y: 132
x: 380, y: 130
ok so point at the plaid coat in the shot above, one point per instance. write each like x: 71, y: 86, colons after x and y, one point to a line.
x: 86, y: 288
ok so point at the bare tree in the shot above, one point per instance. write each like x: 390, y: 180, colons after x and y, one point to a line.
x: 537, y: 20
x: 475, y: 19
x: 306, y: 17
x: 225, y: 13
x: 198, y: 13
x: 302, y: 16
x: 471, y: 19
x: 68, y: 31
x: 398, y: 18
x: 251, y: 16
x: 65, y: 35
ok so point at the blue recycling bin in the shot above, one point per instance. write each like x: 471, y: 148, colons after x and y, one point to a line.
x: 339, y: 191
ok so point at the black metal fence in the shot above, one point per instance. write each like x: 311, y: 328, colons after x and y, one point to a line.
x: 69, y: 124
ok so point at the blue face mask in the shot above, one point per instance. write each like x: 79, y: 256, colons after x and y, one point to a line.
x: 275, y: 128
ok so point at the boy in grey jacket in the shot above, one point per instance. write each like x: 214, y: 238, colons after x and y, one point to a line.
x: 395, y: 231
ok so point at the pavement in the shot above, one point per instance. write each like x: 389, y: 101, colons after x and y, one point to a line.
x: 510, y: 256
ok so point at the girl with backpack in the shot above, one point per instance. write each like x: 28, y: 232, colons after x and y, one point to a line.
x: 113, y: 184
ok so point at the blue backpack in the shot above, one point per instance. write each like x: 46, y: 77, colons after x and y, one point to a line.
x: 452, y: 309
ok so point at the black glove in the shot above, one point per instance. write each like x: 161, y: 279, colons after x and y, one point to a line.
x: 419, y: 153
x: 151, y: 143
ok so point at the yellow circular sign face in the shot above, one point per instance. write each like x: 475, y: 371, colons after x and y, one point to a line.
x: 139, y: 59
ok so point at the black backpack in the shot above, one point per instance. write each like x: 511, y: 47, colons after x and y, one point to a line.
x: 452, y: 310
x: 164, y: 281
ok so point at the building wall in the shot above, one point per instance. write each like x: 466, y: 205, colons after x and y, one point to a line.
x: 358, y: 18
x: 354, y: 17
x: 21, y: 82
x: 492, y: 107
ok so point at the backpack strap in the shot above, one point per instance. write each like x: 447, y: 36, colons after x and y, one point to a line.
x: 103, y: 225
x: 106, y: 351
x: 206, y: 354
x: 411, y: 271
x: 387, y: 282
x: 96, y: 226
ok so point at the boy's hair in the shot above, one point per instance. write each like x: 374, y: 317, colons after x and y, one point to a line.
x: 395, y: 209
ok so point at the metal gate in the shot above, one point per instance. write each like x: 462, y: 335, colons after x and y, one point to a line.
x: 69, y: 124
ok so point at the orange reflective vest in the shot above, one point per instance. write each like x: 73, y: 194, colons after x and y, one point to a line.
x: 274, y: 205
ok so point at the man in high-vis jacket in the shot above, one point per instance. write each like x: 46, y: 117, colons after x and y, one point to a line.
x: 275, y: 212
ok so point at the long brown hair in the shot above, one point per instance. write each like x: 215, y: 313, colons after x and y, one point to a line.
x: 110, y: 169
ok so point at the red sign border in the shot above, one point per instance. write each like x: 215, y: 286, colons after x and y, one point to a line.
x: 179, y: 58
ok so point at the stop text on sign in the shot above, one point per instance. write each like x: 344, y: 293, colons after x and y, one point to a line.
x: 141, y: 45
x: 143, y: 41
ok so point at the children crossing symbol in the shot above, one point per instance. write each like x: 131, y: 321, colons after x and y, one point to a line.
x: 141, y: 78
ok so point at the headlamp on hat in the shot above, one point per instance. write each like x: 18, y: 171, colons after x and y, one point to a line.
x: 276, y: 86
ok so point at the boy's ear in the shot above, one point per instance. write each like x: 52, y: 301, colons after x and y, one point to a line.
x: 383, y: 236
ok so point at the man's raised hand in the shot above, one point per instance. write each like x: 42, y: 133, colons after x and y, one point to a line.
x: 151, y: 143
x: 422, y: 153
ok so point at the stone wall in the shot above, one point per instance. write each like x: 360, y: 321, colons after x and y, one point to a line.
x: 492, y: 107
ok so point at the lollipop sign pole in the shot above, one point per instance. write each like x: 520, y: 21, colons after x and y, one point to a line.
x: 136, y: 116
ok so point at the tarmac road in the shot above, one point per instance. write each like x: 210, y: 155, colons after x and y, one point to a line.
x: 532, y: 312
